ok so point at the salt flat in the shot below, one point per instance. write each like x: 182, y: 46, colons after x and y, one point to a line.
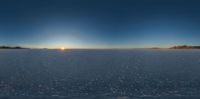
x: 100, y: 74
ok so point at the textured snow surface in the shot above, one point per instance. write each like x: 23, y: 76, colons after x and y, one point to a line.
x: 54, y: 74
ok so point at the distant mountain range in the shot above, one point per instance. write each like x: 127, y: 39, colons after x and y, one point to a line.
x: 185, y: 47
x: 9, y: 47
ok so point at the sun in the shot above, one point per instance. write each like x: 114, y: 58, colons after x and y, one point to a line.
x: 62, y: 48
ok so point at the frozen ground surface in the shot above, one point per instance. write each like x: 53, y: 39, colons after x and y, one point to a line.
x: 100, y: 74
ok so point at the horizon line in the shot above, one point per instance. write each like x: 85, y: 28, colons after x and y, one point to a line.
x: 155, y: 47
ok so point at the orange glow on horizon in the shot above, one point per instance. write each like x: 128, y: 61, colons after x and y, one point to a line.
x: 62, y: 48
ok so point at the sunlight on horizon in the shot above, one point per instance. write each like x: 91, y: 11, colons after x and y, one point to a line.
x: 62, y: 48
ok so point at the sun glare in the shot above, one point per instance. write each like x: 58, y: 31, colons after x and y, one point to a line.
x: 62, y: 48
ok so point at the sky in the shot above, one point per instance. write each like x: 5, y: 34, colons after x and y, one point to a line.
x: 99, y: 23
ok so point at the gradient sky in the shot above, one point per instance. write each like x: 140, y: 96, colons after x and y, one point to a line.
x: 99, y: 23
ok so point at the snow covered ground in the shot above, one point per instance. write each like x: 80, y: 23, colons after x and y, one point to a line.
x: 112, y: 74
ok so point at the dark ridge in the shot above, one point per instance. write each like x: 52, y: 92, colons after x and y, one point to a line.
x: 185, y: 47
x: 9, y: 47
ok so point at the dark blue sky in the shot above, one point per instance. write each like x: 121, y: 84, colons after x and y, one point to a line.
x: 99, y: 23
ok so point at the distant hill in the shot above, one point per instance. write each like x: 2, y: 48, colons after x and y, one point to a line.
x: 9, y: 47
x: 185, y: 47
